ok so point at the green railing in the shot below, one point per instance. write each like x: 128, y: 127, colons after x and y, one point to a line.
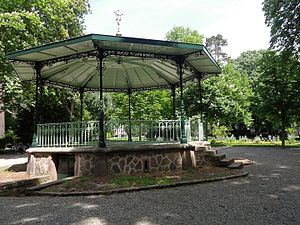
x: 72, y: 134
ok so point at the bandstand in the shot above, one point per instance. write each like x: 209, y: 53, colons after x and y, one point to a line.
x: 103, y: 63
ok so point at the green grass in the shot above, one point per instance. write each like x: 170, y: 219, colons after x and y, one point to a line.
x: 138, y: 181
x: 237, y: 143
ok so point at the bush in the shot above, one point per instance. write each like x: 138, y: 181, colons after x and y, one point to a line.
x: 10, y: 137
x: 220, y: 131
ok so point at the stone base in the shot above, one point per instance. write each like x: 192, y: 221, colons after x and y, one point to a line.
x: 127, y: 159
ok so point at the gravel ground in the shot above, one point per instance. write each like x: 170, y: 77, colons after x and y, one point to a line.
x: 7, y: 160
x: 269, y: 195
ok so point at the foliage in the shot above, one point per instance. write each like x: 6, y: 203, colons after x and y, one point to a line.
x: 226, y: 97
x: 25, y: 24
x: 256, y: 142
x: 277, y: 88
x: 220, y: 131
x: 29, y: 23
x: 248, y: 61
x: 283, y: 17
x: 148, y: 105
x: 214, y: 44
x: 184, y: 34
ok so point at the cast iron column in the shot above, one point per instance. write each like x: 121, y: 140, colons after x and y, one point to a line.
x: 41, y: 90
x: 38, y: 82
x: 129, y: 115
x: 81, y: 91
x: 101, y: 142
x: 173, y: 90
x: 183, y: 138
x: 201, y: 106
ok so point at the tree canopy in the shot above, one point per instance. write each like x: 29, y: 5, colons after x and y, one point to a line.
x: 283, y: 17
x: 26, y: 24
x: 184, y: 34
x: 277, y: 88
x: 215, y: 44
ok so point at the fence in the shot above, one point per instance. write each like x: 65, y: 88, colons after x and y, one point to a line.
x: 73, y: 134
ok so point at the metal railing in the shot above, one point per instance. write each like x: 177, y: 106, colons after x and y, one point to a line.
x: 67, y: 134
x: 196, y: 129
x: 73, y: 134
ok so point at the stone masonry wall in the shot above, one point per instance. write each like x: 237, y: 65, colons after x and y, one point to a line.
x: 126, y: 163
x: 133, y: 163
x: 41, y: 164
x: 90, y: 164
x: 84, y: 164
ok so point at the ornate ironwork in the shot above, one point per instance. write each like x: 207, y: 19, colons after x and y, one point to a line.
x: 118, y: 20
x: 81, y: 55
x: 142, y: 55
x: 72, y: 134
x: 101, y: 142
x: 180, y: 71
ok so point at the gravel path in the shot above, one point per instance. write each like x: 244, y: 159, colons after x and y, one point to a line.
x: 12, y: 159
x: 270, y: 195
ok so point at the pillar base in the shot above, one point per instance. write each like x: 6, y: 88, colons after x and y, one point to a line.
x: 101, y: 145
x: 183, y: 140
x: 34, y: 143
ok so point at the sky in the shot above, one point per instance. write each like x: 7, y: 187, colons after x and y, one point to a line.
x: 241, y: 22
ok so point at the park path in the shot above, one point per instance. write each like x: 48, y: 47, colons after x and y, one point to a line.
x: 269, y: 195
x: 7, y: 160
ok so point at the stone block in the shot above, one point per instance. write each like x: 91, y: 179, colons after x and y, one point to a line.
x: 210, y: 152
x: 200, y: 148
x: 52, y: 171
x: 188, y: 160
x: 100, y: 166
x: 235, y: 166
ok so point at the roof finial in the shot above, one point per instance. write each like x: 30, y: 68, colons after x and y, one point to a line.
x: 118, y: 20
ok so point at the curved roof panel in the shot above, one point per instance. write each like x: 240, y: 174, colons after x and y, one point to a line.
x: 130, y: 63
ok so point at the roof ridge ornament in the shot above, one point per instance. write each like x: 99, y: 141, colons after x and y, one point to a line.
x: 118, y: 20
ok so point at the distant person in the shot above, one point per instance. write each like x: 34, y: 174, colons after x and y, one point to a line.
x: 270, y: 138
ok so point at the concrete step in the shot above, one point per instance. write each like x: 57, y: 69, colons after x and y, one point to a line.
x: 235, y: 166
x: 210, y: 152
x: 18, y: 187
x: 216, y: 157
x: 226, y: 162
x: 208, y: 146
x: 201, y: 148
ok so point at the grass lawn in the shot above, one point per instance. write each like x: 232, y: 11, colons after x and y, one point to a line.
x: 142, y: 180
x: 238, y: 143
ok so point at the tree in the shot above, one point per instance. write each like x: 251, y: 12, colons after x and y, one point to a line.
x: 26, y: 24
x: 226, y: 98
x: 184, y: 34
x: 277, y: 86
x: 283, y: 16
x: 248, y: 61
x: 148, y: 105
x: 214, y: 44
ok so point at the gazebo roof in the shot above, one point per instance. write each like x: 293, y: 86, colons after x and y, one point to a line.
x: 130, y: 63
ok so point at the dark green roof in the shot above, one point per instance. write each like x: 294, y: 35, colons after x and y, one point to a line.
x: 66, y: 64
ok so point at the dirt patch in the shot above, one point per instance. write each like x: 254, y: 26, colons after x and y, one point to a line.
x: 86, y: 184
x: 13, y: 173
x: 7, y: 176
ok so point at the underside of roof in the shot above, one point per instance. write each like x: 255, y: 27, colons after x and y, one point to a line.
x: 129, y: 63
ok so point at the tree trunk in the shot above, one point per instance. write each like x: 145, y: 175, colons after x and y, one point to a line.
x: 70, y: 109
x: 2, y: 113
x: 283, y: 127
